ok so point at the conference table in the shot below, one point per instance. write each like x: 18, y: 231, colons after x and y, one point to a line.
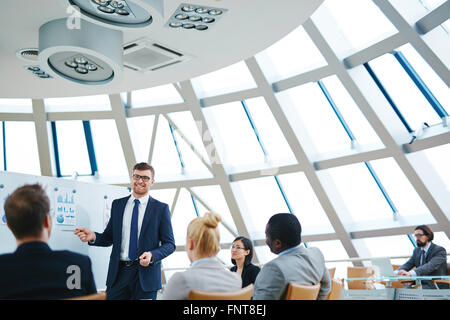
x: 382, y: 289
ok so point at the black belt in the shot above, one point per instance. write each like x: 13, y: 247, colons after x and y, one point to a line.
x: 128, y: 263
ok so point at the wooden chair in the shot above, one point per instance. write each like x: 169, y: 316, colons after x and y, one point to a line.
x: 336, y: 290
x: 360, y: 272
x: 95, y: 296
x: 332, y: 271
x: 242, y: 294
x: 302, y: 292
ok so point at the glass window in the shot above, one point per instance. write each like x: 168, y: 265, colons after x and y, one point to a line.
x: 361, y: 22
x: 360, y: 194
x: 360, y: 127
x: 292, y: 55
x: 190, y: 128
x: 400, y: 190
x: 387, y: 246
x: 305, y: 204
x: 165, y: 158
x: 141, y: 129
x: 233, y: 136
x: 163, y: 195
x: 440, y: 159
x: 16, y: 105
x: 256, y: 213
x: 21, y: 147
x: 313, y: 119
x: 407, y: 97
x: 233, y: 78
x: 183, y: 214
x: 427, y: 74
x: 431, y: 4
x: 440, y: 238
x: 108, y: 149
x: 333, y: 250
x: 214, y: 199
x: 72, y: 148
x: 78, y: 104
x: 264, y: 254
x: 269, y: 132
x: 155, y: 96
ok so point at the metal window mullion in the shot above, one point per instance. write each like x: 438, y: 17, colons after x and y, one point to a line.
x: 387, y: 96
x: 90, y: 146
x: 442, y: 113
x: 56, y: 150
x: 353, y: 138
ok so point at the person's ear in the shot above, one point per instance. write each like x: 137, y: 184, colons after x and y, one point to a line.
x: 48, y: 221
x: 190, y: 244
x: 247, y: 252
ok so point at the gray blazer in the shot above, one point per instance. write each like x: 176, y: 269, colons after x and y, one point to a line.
x: 302, y: 265
x: 435, y: 265
x: 209, y: 275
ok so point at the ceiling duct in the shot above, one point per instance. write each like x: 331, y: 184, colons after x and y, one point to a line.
x: 89, y: 55
x: 144, y: 55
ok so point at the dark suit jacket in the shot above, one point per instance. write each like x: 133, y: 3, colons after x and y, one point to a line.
x: 156, y: 236
x: 435, y: 265
x: 34, y: 271
x: 249, y: 274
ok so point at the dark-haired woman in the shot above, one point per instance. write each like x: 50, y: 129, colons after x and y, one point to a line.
x: 241, y: 257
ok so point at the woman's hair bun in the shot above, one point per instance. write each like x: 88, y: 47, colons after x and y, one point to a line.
x: 211, y: 219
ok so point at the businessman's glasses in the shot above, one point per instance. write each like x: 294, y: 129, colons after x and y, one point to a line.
x: 144, y: 178
x: 418, y: 235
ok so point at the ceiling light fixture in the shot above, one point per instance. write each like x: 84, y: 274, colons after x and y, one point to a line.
x: 77, y: 55
x: 120, y: 14
x: 197, y: 16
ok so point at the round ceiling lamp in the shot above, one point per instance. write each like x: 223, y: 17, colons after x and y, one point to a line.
x: 120, y: 14
x: 89, y: 55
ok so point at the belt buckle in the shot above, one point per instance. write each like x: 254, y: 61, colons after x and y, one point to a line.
x: 129, y: 263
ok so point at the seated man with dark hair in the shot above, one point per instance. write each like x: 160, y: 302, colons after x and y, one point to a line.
x: 428, y: 258
x: 34, y: 271
x: 294, y: 263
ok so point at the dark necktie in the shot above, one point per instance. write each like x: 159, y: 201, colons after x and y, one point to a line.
x: 132, y: 249
x: 422, y: 257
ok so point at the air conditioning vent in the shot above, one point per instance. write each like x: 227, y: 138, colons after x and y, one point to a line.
x: 145, y: 55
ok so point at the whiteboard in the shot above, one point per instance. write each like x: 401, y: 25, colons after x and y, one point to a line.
x: 86, y: 205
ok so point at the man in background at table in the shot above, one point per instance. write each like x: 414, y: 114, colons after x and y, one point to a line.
x: 140, y: 232
x: 428, y: 258
x: 34, y: 271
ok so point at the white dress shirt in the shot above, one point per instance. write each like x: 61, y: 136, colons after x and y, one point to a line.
x: 126, y: 226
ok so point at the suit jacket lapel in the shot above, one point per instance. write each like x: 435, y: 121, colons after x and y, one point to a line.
x: 121, y: 212
x: 148, y: 213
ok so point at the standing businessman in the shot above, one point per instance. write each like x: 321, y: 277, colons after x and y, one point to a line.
x: 140, y: 232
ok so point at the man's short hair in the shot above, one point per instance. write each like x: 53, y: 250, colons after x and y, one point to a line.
x: 144, y: 166
x: 26, y: 209
x: 426, y: 231
x: 286, y: 228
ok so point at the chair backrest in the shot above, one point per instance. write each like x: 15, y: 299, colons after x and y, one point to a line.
x: 242, y: 294
x: 302, y: 292
x: 95, y: 296
x: 448, y: 269
x: 360, y: 272
x: 336, y: 290
x: 332, y: 271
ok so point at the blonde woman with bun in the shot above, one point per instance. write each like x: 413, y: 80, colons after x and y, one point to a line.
x: 205, y: 272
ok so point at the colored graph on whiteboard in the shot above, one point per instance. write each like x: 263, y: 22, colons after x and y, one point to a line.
x: 65, y: 207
